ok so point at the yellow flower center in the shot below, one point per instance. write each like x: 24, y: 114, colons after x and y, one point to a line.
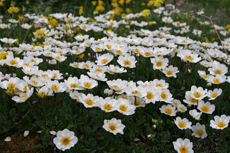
x: 112, y: 126
x: 150, y: 95
x: 168, y: 111
x: 216, y: 80
x: 193, y: 100
x: 119, y: 51
x: 13, y: 62
x: 182, y: 124
x: 65, y: 141
x: 11, y: 85
x: 205, y: 108
x: 98, y: 70
x: 104, y: 61
x: 197, y: 94
x: 164, y: 95
x: 213, y: 95
x: 199, y: 132
x: 138, y: 102
x: 55, y: 87
x: 217, y: 71
x: 108, y: 46
x: 86, y: 65
x: 115, y: 86
x: 183, y: 149
x: 108, y: 107
x: 25, y: 95
x: 136, y: 50
x: 221, y: 124
x: 123, y: 108
x: 189, y: 57
x: 89, y: 101
x: 169, y: 72
x: 87, y: 84
x: 136, y: 92
x: 127, y: 62
x: 205, y: 76
x: 147, y: 54
x: 34, y: 82
x: 73, y: 85
x: 159, y: 63
x: 41, y: 94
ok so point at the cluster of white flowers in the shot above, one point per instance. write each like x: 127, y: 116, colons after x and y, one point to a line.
x: 115, y: 55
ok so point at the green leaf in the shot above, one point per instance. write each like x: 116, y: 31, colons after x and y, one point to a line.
x: 165, y: 136
x: 155, y: 149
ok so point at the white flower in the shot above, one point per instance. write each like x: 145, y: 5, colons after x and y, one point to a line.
x: 220, y: 122
x: 127, y: 61
x: 195, y: 114
x: 200, y: 12
x: 26, y: 133
x: 168, y: 110
x: 7, y: 139
x: 183, y: 146
x: 207, y: 107
x: 65, y: 140
x: 198, y: 93
x: 53, y: 132
x: 183, y: 123
x: 199, y: 131
x: 114, y: 126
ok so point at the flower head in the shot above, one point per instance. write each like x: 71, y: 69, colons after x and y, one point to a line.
x: 65, y: 139
x: 114, y: 126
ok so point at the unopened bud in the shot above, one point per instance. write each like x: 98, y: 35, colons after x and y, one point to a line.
x: 151, y: 137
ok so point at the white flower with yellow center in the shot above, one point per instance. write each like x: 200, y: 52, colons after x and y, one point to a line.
x: 75, y: 95
x: 183, y: 146
x: 203, y: 74
x: 189, y: 99
x: 34, y: 81
x: 181, y: 108
x: 77, y: 50
x: 15, y: 62
x: 159, y: 62
x: 44, y: 91
x: 187, y: 55
x: 97, y: 68
x: 207, y: 107
x: 114, y: 126
x: 214, y: 94
x: 56, y: 74
x: 65, y: 139
x: 11, y: 83
x: 112, y: 69
x: 195, y: 114
x: 176, y: 102
x: 168, y: 110
x: 108, y: 104
x: 125, y: 107
x: 198, y: 93
x: 109, y: 45
x: 56, y: 86
x: 117, y: 85
x: 89, y: 100
x: 160, y: 84
x: 58, y: 57
x: 218, y: 69
x: 23, y: 96
x: 170, y: 71
x: 152, y: 94
x: 100, y: 76
x: 127, y: 61
x: 199, y: 131
x: 136, y: 91
x: 165, y: 95
x: 85, y: 65
x: 97, y: 47
x: 87, y: 83
x: 206, y: 63
x: 148, y: 52
x: 72, y: 83
x: 183, y: 123
x: 217, y: 79
x: 104, y: 59
x: 220, y: 122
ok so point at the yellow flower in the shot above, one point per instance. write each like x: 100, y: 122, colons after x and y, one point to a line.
x: 1, y: 3
x: 94, y: 2
x: 143, y: 4
x: 145, y: 12
x: 27, y: 2
x: 150, y: 3
x: 158, y: 3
